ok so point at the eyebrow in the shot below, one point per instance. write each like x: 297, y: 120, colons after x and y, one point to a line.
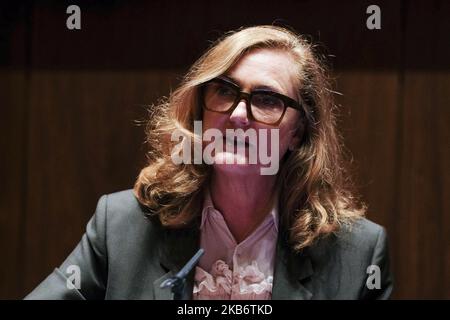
x: 264, y: 87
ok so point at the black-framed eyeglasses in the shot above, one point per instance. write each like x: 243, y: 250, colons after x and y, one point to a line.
x: 222, y: 95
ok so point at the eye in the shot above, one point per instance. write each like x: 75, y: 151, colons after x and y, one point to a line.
x: 267, y: 101
x: 224, y: 90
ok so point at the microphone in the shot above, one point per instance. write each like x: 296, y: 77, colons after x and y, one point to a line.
x: 177, y: 282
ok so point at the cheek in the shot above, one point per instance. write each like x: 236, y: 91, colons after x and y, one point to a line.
x: 289, y: 128
x: 282, y: 144
x: 285, y: 140
x: 214, y: 120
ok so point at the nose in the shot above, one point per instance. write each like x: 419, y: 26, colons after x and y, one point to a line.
x: 239, y: 115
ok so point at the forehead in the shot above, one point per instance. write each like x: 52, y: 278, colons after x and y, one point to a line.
x: 272, y: 68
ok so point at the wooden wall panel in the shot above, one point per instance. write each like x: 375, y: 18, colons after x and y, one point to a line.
x: 442, y: 189
x: 369, y: 113
x: 83, y: 142
x: 369, y: 116
x: 13, y: 189
x: 423, y: 240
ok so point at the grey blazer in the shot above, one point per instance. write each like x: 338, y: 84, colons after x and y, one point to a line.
x: 124, y: 255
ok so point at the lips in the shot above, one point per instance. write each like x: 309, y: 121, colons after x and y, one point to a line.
x: 237, y: 141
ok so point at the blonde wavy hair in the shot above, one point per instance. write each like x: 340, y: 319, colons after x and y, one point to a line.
x: 314, y: 187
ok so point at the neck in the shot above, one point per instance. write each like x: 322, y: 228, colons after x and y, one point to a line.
x: 244, y: 201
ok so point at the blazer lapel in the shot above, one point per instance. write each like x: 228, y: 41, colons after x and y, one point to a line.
x: 291, y: 270
x: 176, y: 248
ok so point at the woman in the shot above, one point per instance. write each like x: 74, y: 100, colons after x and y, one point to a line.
x: 292, y: 232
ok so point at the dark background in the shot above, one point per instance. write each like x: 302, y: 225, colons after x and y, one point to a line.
x: 69, y: 101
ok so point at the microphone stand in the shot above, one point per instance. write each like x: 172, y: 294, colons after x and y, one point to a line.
x: 177, y: 282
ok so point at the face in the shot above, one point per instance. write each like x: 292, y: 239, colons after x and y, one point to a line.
x: 259, y: 69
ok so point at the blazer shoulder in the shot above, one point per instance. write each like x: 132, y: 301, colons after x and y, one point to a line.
x: 123, y: 210
x: 122, y: 204
x: 362, y: 235
x: 341, y: 261
x: 122, y: 200
x: 363, y: 228
x: 353, y: 244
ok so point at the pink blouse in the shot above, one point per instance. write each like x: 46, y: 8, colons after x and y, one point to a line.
x: 228, y: 270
